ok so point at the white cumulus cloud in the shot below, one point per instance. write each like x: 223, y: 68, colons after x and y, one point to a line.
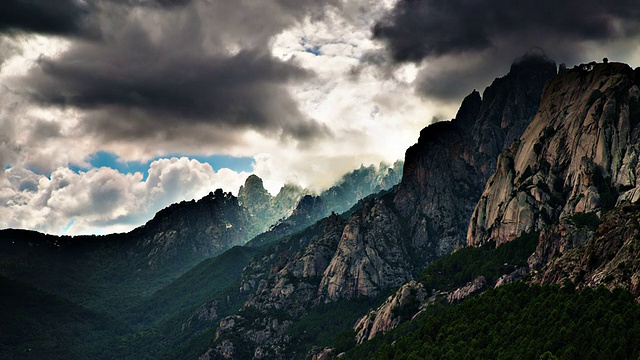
x: 103, y: 200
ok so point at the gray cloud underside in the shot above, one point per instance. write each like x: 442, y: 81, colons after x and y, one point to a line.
x: 64, y: 17
x: 418, y: 29
x: 158, y: 73
x: 133, y: 93
x: 480, y: 37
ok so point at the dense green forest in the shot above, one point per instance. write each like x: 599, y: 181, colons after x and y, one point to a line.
x: 38, y: 325
x: 456, y: 269
x: 320, y: 326
x: 518, y: 321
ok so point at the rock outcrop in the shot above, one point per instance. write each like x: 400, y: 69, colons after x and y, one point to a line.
x: 557, y: 240
x: 579, y: 154
x: 400, y: 306
x: 471, y: 288
x: 516, y: 275
x: 282, y: 284
x: 611, y: 258
x: 370, y: 257
x: 265, y: 209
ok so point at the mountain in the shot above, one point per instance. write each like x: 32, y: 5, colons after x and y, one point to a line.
x: 387, y: 240
x: 569, y: 183
x: 504, y: 222
x: 153, y: 278
x: 112, y: 272
x: 109, y: 273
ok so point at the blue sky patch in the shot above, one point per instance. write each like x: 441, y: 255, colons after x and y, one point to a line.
x: 312, y: 49
x: 315, y: 50
x: 111, y: 160
x: 68, y: 226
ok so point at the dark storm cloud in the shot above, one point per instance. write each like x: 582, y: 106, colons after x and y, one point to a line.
x: 478, y: 37
x: 164, y: 74
x: 62, y: 17
x: 162, y: 3
x: 416, y: 29
x: 147, y: 93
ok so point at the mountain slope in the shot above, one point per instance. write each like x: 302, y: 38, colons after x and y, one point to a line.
x: 518, y: 321
x: 37, y: 325
x: 109, y: 273
x: 609, y: 256
x: 193, y: 287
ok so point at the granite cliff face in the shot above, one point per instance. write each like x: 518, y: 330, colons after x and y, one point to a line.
x: 446, y: 171
x: 609, y: 257
x: 400, y: 306
x: 370, y: 256
x: 579, y: 154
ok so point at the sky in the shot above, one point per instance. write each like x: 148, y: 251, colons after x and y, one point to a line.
x: 113, y: 109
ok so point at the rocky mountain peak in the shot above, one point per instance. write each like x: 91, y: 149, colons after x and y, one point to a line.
x: 253, y: 191
x: 532, y: 61
x: 253, y: 181
x: 509, y: 104
x: 469, y: 109
x: 264, y: 208
x: 445, y: 172
x: 579, y: 154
